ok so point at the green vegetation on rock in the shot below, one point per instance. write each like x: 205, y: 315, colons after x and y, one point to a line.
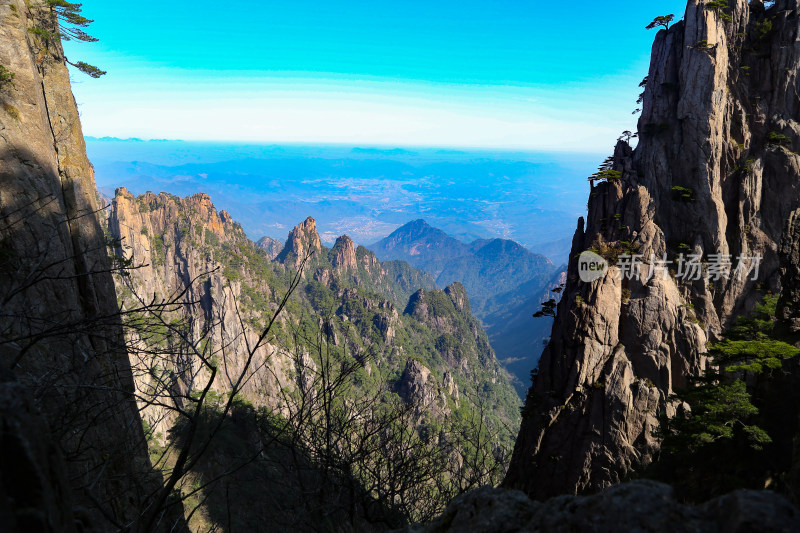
x: 403, y: 347
x: 6, y: 77
x: 716, y: 441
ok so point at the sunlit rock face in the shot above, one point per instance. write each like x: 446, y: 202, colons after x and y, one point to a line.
x: 715, y: 172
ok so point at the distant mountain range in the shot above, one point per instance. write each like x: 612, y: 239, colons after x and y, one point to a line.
x: 505, y: 282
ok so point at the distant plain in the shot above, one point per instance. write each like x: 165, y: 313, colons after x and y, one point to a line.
x: 533, y: 198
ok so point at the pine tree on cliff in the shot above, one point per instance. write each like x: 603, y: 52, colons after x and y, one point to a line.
x: 663, y: 21
x: 70, y: 24
x: 717, y: 444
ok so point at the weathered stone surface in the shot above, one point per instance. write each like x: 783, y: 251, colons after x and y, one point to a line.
x: 303, y: 241
x: 167, y: 240
x: 343, y: 254
x: 635, y: 506
x: 717, y: 93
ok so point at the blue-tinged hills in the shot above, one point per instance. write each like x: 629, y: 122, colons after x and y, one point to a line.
x: 486, y: 267
x: 505, y: 282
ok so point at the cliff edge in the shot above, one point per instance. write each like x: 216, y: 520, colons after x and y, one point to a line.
x: 73, y: 447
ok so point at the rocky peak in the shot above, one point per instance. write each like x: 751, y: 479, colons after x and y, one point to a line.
x: 417, y: 305
x: 368, y: 259
x: 343, y: 254
x: 196, y: 209
x: 415, y: 228
x: 458, y: 295
x: 438, y: 309
x: 713, y: 173
x: 302, y: 240
x: 271, y: 247
x: 443, y: 306
x: 416, y: 241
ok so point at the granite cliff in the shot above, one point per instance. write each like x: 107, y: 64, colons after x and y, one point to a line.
x: 74, y: 456
x: 715, y: 172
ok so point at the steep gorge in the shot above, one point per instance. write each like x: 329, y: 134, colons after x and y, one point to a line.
x: 720, y: 121
x: 183, y: 246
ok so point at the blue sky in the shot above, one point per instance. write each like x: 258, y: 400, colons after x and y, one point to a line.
x: 515, y: 74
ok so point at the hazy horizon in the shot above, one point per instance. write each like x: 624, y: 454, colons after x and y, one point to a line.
x: 531, y: 197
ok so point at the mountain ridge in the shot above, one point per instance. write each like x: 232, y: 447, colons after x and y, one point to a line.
x: 505, y: 281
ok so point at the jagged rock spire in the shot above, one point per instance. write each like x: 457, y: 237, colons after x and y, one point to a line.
x: 715, y: 175
x: 302, y: 240
x: 343, y: 254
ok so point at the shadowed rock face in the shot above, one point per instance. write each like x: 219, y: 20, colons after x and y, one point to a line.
x: 34, y: 481
x: 718, y: 95
x: 790, y: 263
x: 72, y: 440
x: 636, y: 506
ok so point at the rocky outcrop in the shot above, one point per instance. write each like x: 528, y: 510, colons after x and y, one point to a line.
x: 713, y: 173
x: 635, y: 506
x: 788, y: 310
x: 458, y: 295
x: 184, y: 248
x: 72, y: 440
x: 417, y: 385
x: 420, y: 388
x: 343, y: 254
x: 271, y: 247
x: 451, y: 386
x: 303, y: 242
